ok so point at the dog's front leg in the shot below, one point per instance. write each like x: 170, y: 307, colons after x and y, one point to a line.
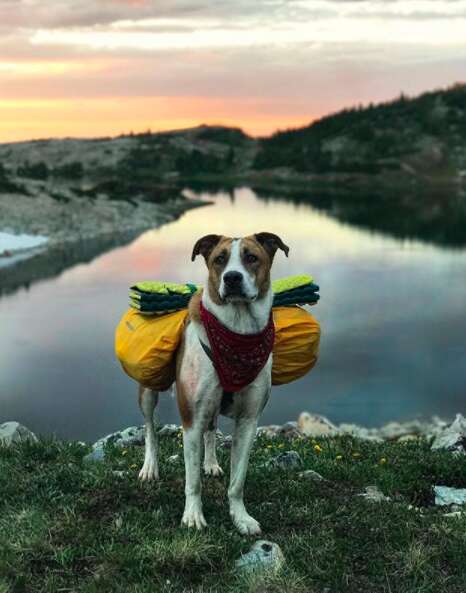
x: 193, y: 515
x: 245, y: 432
x: 247, y: 411
x: 204, y: 407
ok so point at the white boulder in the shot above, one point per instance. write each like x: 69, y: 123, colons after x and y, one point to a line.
x: 14, y: 432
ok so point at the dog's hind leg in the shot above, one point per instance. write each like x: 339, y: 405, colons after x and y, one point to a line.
x: 211, y: 466
x: 147, y: 402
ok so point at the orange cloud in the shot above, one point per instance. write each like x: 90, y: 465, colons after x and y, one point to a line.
x: 26, y: 119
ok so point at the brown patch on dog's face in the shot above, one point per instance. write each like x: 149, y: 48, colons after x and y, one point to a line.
x: 217, y: 262
x: 257, y: 262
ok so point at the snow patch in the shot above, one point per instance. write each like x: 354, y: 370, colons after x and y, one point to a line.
x: 15, y: 248
x: 9, y: 242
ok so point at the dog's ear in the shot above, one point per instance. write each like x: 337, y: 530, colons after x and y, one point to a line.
x: 205, y: 245
x: 271, y: 243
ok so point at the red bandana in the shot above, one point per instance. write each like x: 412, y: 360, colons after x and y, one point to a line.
x: 237, y: 358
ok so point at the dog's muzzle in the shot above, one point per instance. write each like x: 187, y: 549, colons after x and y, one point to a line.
x: 233, y: 285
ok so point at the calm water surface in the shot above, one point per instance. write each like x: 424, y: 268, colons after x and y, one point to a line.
x: 392, y: 314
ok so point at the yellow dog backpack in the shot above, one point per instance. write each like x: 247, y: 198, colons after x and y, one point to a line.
x: 146, y: 345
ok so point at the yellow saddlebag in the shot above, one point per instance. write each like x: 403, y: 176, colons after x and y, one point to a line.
x: 146, y: 345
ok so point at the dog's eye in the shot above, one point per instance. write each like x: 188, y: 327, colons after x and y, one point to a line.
x: 250, y: 258
x: 220, y: 259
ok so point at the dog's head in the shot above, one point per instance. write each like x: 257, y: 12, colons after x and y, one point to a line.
x: 239, y: 269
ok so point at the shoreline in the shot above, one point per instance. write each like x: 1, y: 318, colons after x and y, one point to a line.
x: 76, y: 231
x: 449, y: 433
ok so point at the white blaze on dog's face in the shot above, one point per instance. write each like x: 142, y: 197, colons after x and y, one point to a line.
x: 239, y: 269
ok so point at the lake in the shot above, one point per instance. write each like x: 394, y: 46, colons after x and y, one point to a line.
x: 392, y: 314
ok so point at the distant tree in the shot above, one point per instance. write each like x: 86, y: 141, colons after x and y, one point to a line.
x: 38, y: 171
x: 74, y: 170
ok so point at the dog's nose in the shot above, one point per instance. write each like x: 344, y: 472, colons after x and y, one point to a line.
x: 233, y: 278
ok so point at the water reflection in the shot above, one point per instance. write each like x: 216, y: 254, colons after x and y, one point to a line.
x: 392, y: 314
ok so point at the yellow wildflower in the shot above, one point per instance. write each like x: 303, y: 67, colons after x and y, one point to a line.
x: 355, y: 455
x: 124, y: 452
x: 317, y: 448
x: 383, y: 460
x: 133, y: 466
x: 339, y: 457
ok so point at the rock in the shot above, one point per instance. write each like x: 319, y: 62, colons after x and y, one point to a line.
x: 97, y: 454
x: 263, y: 555
x: 173, y: 459
x: 373, y: 494
x: 133, y: 435
x: 14, y: 432
x: 169, y: 430
x: 290, y: 430
x: 395, y: 430
x: 360, y: 432
x: 286, y: 460
x: 227, y: 442
x: 311, y: 475
x: 445, y: 495
x: 453, y: 436
x: 269, y: 432
x: 408, y: 437
x: 313, y: 425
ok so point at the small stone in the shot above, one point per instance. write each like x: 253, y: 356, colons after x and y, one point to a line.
x: 452, y: 437
x: 313, y: 425
x: 286, y: 460
x: 169, y: 430
x: 173, y: 459
x: 290, y: 430
x: 119, y: 473
x: 14, y: 432
x: 227, y: 442
x: 134, y: 435
x: 373, y: 494
x: 311, y: 475
x: 97, y: 454
x: 395, y: 430
x: 445, y: 495
x: 453, y: 514
x: 264, y: 555
x: 408, y: 437
x: 112, y: 438
x: 269, y: 432
x: 360, y: 432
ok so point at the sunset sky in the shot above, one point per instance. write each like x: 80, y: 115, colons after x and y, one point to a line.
x: 82, y: 68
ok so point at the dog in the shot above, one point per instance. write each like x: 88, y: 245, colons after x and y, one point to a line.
x: 237, y: 302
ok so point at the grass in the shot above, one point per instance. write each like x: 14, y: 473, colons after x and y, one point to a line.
x: 70, y: 526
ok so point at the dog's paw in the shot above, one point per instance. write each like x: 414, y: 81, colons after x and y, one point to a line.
x: 193, y: 516
x: 246, y: 524
x: 149, y: 471
x: 213, y: 470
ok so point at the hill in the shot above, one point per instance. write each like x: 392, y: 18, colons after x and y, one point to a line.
x: 425, y: 135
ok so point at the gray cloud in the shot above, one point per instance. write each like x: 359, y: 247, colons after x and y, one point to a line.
x: 33, y: 14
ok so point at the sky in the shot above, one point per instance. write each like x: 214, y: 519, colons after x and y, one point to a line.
x: 105, y: 67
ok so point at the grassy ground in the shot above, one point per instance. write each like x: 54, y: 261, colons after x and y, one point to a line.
x: 67, y: 526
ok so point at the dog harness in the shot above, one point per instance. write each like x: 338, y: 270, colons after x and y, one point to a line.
x: 237, y: 358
